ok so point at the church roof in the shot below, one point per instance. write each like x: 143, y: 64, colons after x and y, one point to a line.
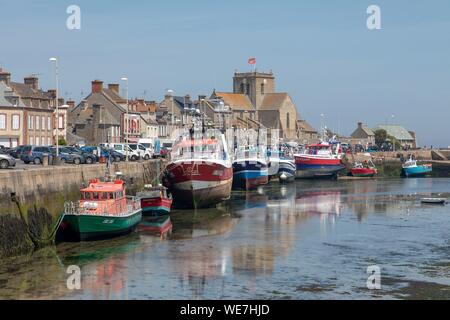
x: 273, y: 101
x: 270, y: 119
x: 237, y: 101
x: 305, y: 126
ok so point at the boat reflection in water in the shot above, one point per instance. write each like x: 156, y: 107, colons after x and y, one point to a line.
x: 160, y: 226
x: 201, y: 252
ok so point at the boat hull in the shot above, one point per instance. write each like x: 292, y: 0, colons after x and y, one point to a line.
x: 158, y: 206
x: 248, y: 175
x: 313, y: 168
x: 98, y: 227
x: 419, y: 171
x: 287, y: 171
x: 198, y: 184
x: 363, y: 172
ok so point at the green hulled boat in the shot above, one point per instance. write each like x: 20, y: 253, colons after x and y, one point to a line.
x: 103, y: 212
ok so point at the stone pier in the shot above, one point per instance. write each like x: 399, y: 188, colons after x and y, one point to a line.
x: 41, y: 193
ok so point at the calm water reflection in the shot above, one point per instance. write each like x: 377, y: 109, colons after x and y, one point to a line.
x: 311, y: 239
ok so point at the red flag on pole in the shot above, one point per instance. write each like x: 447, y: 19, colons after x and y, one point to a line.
x: 252, y: 61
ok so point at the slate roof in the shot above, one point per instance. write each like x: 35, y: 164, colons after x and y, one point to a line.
x: 3, y: 89
x: 398, y: 132
x: 183, y: 102
x: 25, y: 91
x: 305, y: 126
x: 367, y: 130
x: 270, y: 119
x: 84, y: 113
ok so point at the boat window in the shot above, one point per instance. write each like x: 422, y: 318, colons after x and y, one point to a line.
x: 111, y: 195
x: 95, y: 196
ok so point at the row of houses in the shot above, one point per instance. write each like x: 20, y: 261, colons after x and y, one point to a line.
x: 28, y: 114
x: 253, y: 104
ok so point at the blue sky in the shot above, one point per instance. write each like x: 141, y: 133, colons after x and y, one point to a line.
x: 320, y: 51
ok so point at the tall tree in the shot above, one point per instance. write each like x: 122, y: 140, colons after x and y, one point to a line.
x: 380, y: 137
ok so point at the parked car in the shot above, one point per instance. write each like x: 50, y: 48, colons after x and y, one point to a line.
x: 17, y: 151
x: 67, y: 157
x: 6, y: 161
x: 88, y: 157
x: 372, y: 149
x: 115, y: 156
x: 34, y: 154
x: 92, y: 150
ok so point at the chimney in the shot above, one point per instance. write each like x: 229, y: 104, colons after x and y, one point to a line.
x: 52, y: 93
x: 114, y: 87
x: 96, y: 121
x: 5, y: 76
x: 71, y: 104
x: 32, y: 81
x: 97, y: 86
x: 360, y: 124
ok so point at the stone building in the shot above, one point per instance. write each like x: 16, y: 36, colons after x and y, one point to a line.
x: 363, y: 135
x: 102, y: 117
x: 27, y: 113
x: 400, y: 134
x: 255, y: 100
x: 306, y: 133
x: 240, y: 107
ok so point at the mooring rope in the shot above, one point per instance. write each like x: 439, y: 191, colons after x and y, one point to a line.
x: 37, y: 241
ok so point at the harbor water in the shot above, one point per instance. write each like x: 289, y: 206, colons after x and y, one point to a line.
x: 305, y: 240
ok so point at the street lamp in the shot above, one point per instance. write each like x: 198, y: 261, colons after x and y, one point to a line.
x: 393, y: 138
x: 55, y: 60
x: 127, y: 119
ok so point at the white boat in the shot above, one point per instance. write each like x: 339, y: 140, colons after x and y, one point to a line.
x: 434, y: 200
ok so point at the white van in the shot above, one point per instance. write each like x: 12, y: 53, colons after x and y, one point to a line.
x: 133, y: 155
x: 147, y: 143
x: 142, y: 151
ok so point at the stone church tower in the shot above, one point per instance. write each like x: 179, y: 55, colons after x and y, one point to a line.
x: 254, y: 85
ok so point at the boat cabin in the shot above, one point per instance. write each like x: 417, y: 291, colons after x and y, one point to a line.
x: 322, y: 149
x: 197, y: 148
x: 104, y: 197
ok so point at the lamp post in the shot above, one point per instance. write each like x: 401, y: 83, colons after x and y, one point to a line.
x: 127, y: 119
x: 393, y: 138
x: 322, y: 116
x: 55, y: 60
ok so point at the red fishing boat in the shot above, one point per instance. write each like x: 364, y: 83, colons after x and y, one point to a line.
x: 323, y: 160
x: 155, y: 201
x: 360, y: 170
x: 200, y: 174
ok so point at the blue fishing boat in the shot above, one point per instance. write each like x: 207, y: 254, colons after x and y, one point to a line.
x: 281, y: 166
x: 250, y: 169
x: 412, y: 169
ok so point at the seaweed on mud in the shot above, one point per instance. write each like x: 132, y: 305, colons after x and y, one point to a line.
x: 39, y: 220
x: 13, y: 236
